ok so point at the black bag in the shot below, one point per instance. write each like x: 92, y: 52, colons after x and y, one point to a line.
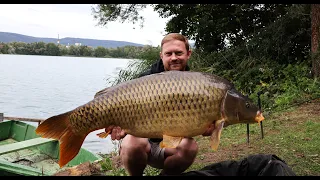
x: 253, y: 165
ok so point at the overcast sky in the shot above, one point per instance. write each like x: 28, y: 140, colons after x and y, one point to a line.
x: 76, y: 20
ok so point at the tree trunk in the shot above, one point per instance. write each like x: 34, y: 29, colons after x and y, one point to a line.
x: 315, y: 39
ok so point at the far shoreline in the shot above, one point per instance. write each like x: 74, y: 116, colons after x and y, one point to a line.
x: 70, y: 56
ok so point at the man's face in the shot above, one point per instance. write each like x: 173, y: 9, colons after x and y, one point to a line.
x: 174, y: 55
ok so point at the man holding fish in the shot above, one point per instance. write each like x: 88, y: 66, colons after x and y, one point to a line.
x: 157, y: 115
x: 137, y: 152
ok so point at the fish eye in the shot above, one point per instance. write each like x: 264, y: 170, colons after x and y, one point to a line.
x: 247, y: 104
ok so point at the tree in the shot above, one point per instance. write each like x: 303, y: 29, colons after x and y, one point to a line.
x: 63, y: 50
x: 74, y: 50
x: 122, y: 12
x: 4, y: 48
x: 315, y: 40
x: 100, y: 51
x: 37, y: 48
x: 214, y: 27
x: 219, y: 27
x: 52, y: 50
x: 20, y: 47
x: 85, y: 51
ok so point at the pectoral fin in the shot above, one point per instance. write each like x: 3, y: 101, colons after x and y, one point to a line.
x: 215, y: 136
x: 106, y: 132
x: 103, y: 134
x: 170, y: 141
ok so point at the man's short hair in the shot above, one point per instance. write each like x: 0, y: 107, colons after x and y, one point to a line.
x: 176, y: 36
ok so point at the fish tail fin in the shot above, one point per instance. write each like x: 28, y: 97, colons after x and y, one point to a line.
x: 70, y: 146
x: 57, y: 127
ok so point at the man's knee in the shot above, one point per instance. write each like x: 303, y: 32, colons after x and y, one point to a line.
x: 188, y: 148
x: 131, y: 145
x: 134, y: 154
x: 180, y: 158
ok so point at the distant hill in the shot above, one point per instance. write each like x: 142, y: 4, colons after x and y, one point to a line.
x: 7, y: 37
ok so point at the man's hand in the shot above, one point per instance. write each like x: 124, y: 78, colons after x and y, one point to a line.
x: 209, y: 131
x: 117, y: 133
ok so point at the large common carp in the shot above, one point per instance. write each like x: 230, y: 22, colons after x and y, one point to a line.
x: 168, y: 105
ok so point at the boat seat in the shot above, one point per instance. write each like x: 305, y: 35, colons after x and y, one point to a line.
x: 7, y: 148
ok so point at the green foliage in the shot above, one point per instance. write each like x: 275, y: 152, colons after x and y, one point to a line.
x: 150, y: 171
x: 147, y: 56
x: 281, y: 85
x: 149, y: 53
x: 215, y: 27
x: 37, y: 48
x: 51, y: 49
x: 85, y: 51
x: 105, y: 13
x: 4, y: 48
x: 63, y: 50
x: 106, y: 165
x: 295, y: 86
x: 273, y: 31
x: 110, y: 170
x: 100, y: 52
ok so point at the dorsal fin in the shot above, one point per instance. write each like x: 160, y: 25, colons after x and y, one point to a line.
x: 101, y: 92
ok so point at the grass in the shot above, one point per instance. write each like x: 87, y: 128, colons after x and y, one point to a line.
x: 292, y: 135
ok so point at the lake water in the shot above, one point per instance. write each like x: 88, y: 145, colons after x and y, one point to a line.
x: 43, y: 86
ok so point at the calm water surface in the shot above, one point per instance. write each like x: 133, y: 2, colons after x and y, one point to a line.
x: 43, y: 86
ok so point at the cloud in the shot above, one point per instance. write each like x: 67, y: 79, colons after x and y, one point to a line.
x: 76, y: 20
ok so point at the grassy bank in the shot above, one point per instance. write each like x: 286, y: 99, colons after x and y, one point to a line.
x: 291, y: 134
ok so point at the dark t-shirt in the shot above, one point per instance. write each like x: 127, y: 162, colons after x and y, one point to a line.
x: 157, y: 67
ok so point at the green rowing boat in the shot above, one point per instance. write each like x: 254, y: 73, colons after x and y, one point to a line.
x: 24, y: 153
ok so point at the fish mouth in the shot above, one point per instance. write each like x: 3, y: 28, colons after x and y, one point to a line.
x: 259, y: 117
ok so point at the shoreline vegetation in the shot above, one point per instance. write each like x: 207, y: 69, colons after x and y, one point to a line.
x: 67, y: 56
x: 54, y: 49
